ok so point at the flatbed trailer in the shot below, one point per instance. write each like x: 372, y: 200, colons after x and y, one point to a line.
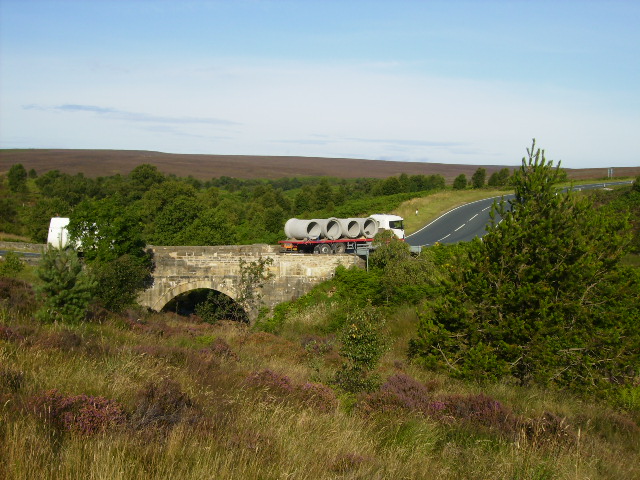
x: 325, y: 247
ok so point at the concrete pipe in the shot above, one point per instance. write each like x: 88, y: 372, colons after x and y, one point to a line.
x: 331, y: 228
x: 369, y: 227
x: 302, y: 229
x: 350, y: 227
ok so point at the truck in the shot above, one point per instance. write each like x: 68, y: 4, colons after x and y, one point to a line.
x: 58, y: 236
x: 338, y: 235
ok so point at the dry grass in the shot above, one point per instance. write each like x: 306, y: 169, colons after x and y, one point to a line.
x: 203, y: 418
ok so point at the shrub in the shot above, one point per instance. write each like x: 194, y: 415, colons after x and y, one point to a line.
x: 11, y: 264
x: 548, y: 428
x: 119, y: 281
x: 317, y: 396
x: 460, y: 182
x: 362, y: 346
x: 316, y: 345
x: 81, y: 414
x: 272, y: 382
x: 480, y: 409
x: 401, y: 392
x: 218, y: 306
x: 65, y: 340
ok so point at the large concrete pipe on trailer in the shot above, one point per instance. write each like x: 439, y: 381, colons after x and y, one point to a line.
x: 351, y: 227
x: 302, y: 229
x: 331, y: 228
x: 369, y: 227
x: 337, y: 235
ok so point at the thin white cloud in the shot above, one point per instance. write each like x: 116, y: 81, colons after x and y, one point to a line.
x: 130, y: 116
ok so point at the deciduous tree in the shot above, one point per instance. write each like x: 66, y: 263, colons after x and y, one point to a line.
x: 478, y: 178
x: 17, y: 178
x: 460, y: 182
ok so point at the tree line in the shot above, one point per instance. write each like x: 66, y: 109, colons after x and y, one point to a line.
x: 171, y: 210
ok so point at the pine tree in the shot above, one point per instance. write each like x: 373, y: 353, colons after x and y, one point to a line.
x: 66, y: 288
x: 542, y: 297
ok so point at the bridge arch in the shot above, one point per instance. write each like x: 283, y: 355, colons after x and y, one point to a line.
x: 179, y: 269
x: 188, y: 286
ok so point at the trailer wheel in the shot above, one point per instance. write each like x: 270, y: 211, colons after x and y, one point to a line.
x: 339, y: 248
x: 323, y: 249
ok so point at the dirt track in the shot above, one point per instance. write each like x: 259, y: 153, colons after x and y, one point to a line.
x: 96, y: 163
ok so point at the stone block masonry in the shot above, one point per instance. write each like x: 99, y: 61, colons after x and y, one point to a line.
x: 181, y: 269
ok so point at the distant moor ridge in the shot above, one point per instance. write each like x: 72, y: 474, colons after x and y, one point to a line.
x: 97, y: 163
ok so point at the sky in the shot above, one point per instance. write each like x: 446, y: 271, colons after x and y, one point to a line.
x: 466, y: 82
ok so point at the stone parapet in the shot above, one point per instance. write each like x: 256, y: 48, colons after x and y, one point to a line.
x: 181, y: 269
x: 22, y: 247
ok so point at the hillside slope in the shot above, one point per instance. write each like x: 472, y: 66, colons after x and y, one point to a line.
x: 94, y: 163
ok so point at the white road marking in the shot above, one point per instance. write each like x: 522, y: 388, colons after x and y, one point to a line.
x: 486, y: 208
x: 448, y: 235
x: 473, y: 217
x: 459, y: 227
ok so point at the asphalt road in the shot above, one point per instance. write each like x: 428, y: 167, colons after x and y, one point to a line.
x: 464, y: 223
x: 23, y: 254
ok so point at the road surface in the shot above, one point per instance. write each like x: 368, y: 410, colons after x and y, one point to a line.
x: 464, y: 223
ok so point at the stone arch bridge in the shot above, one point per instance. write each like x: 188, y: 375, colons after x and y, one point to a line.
x: 181, y: 269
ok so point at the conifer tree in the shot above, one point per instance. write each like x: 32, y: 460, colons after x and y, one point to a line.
x: 66, y: 288
x: 542, y: 297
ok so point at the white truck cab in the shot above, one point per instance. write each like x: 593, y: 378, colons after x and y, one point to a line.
x: 390, y: 222
x: 58, y: 235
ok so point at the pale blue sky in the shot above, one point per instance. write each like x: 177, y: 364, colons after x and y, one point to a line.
x: 436, y: 81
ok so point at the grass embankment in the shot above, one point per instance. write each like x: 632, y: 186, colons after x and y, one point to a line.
x: 159, y: 396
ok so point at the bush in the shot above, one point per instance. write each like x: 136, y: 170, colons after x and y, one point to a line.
x: 119, y: 281
x: 81, y: 414
x: 362, y: 346
x: 11, y: 265
x: 218, y: 306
